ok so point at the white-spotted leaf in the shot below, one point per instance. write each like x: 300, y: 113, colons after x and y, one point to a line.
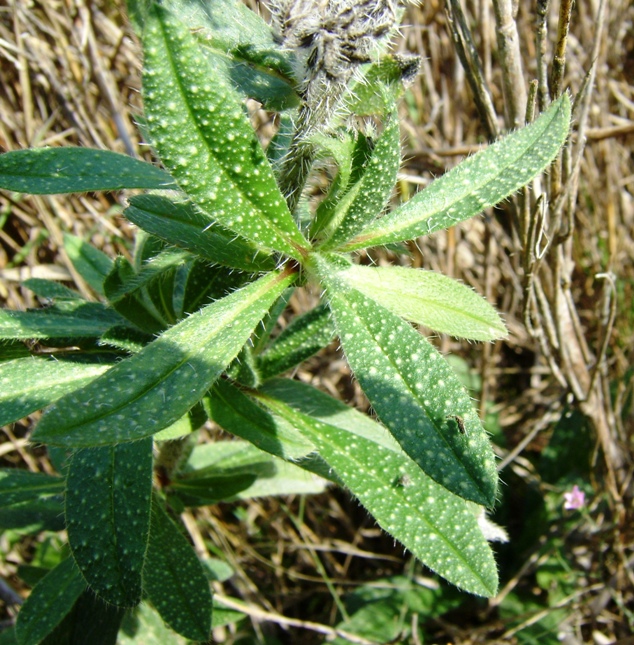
x: 477, y: 183
x: 202, y: 134
x: 154, y: 388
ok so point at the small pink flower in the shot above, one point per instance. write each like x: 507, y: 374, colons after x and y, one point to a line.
x: 574, y: 499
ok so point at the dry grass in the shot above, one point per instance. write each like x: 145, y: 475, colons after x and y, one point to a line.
x: 563, y: 276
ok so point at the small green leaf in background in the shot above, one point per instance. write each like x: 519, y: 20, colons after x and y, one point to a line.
x: 428, y: 298
x: 481, y: 181
x: 29, y: 384
x: 92, y: 264
x: 50, y: 290
x: 50, y: 171
x: 51, y: 599
x: 108, y: 497
x: 202, y: 134
x: 414, y: 392
x: 17, y: 486
x: 155, y: 387
x: 174, y: 580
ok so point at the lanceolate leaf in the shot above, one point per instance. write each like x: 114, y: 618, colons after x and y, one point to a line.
x: 65, y: 320
x: 51, y: 599
x: 428, y: 298
x: 48, y: 171
x: 477, y: 183
x: 186, y: 226
x: 108, y: 497
x: 174, y: 580
x: 368, y: 197
x: 29, y: 384
x: 152, y: 389
x: 92, y: 264
x: 305, y: 336
x: 17, y: 486
x: 202, y: 134
x: 414, y: 392
x: 435, y: 525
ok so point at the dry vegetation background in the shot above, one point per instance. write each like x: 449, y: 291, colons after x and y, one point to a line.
x: 563, y: 275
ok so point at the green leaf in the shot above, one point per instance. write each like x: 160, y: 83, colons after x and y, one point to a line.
x: 121, y: 287
x: 479, y: 182
x: 92, y: 264
x: 152, y: 389
x: 49, y: 171
x: 368, y: 197
x: 29, y: 384
x: 18, y: 486
x: 108, y: 498
x: 51, y: 599
x: 428, y: 298
x: 70, y: 319
x: 305, y: 336
x: 50, y: 290
x: 184, y: 225
x: 238, y: 414
x: 202, y: 134
x: 44, y: 514
x: 413, y: 391
x: 435, y: 525
x: 174, y: 580
x: 143, y: 626
x: 212, y: 469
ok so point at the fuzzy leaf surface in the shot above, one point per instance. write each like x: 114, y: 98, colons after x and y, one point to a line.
x: 185, y: 226
x: 174, y: 580
x: 154, y: 388
x: 435, y: 525
x: 18, y: 486
x: 368, y: 197
x: 50, y: 601
x: 202, y: 134
x: 108, y: 497
x: 29, y: 384
x: 237, y: 413
x: 481, y: 181
x: 428, y: 298
x: 305, y: 336
x: 413, y: 391
x: 51, y: 171
x: 72, y: 319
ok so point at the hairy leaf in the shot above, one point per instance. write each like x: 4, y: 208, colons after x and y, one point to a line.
x: 174, y: 580
x: 108, y: 496
x: 186, y: 226
x: 477, y: 183
x: 413, y: 391
x: 49, y: 171
x: 51, y: 599
x: 428, y: 298
x: 435, y: 525
x: 152, y: 389
x: 202, y: 134
x: 29, y: 384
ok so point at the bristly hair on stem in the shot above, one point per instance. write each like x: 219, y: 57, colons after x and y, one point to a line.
x: 330, y: 40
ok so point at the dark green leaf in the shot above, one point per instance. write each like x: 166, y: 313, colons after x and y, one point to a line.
x: 49, y: 171
x: 50, y: 290
x: 305, y: 336
x: 51, y: 599
x: 186, y: 226
x: 17, y: 486
x: 45, y: 514
x: 108, y: 497
x: 174, y: 580
x: 152, y: 389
